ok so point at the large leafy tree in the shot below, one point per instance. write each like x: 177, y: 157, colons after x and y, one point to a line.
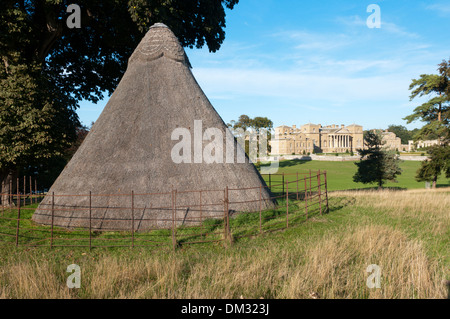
x: 402, y: 132
x: 47, y: 68
x: 436, y: 114
x: 377, y: 165
x: 258, y: 125
x: 438, y: 161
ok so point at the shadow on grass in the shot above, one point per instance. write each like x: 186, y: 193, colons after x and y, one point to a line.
x: 288, y: 163
x: 338, y: 203
x: 375, y: 188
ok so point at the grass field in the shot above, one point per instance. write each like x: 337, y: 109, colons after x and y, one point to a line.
x: 405, y: 232
x: 340, y: 174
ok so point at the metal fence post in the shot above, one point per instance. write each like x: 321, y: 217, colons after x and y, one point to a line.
x: 326, y: 189
x: 230, y: 237
x: 31, y: 191
x: 201, y: 208
x: 3, y: 197
x: 225, y: 233
x: 270, y: 182
x: 18, y: 218
x: 306, y: 199
x: 53, y: 219
x: 90, y: 220
x: 297, y: 185
x: 11, y: 198
x: 287, y: 204
x: 319, y: 190
x: 310, y: 186
x: 35, y: 189
x: 24, y: 191
x: 174, y: 240
x: 283, y: 183
x: 260, y: 198
x: 132, y: 219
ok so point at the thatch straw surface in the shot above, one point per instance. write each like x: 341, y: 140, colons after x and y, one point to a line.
x: 129, y: 149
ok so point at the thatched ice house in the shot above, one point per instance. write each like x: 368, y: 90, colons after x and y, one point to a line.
x: 132, y: 149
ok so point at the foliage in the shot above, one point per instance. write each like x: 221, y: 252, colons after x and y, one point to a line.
x: 436, y: 111
x: 402, y: 132
x: 377, y: 165
x: 258, y: 125
x: 438, y: 161
x: 48, y: 68
x: 436, y: 114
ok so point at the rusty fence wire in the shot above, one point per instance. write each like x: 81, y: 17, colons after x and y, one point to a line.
x: 187, y: 217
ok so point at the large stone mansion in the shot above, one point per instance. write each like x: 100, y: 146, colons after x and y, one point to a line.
x: 315, y: 138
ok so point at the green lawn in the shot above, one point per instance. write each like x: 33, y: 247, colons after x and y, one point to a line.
x: 340, y: 174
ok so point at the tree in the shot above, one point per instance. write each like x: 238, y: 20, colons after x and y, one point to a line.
x: 402, y: 132
x: 46, y: 172
x: 48, y: 68
x: 436, y: 111
x: 258, y: 124
x: 377, y: 165
x: 436, y: 114
x: 438, y: 162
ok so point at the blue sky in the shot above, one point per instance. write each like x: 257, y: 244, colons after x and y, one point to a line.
x: 297, y: 62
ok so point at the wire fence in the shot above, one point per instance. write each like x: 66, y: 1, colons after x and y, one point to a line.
x: 188, y: 217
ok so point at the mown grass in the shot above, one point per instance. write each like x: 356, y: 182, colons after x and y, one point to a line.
x: 406, y: 233
x: 340, y: 175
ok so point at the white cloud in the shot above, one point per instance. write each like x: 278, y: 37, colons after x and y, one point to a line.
x: 293, y: 85
x: 395, y: 29
x: 386, y: 26
x: 306, y: 40
x: 442, y: 8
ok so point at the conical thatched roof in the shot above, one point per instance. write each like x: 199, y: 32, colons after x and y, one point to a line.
x: 129, y: 149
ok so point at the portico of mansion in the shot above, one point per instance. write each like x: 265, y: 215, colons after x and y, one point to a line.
x: 315, y: 138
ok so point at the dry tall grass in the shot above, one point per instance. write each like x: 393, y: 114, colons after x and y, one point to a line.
x: 332, y: 265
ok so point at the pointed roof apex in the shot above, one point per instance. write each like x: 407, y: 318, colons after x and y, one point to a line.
x: 159, y: 42
x: 159, y: 25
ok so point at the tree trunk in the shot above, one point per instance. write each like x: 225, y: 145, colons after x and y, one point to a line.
x: 434, y: 182
x: 8, y: 185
